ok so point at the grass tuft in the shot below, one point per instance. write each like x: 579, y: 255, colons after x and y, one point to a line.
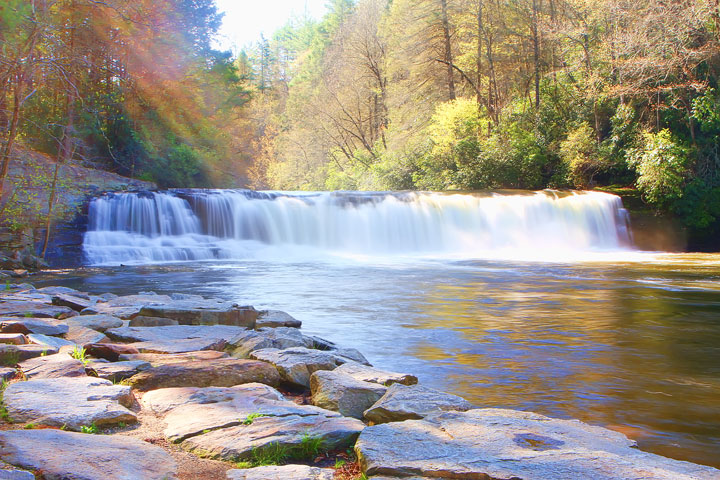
x: 92, y: 429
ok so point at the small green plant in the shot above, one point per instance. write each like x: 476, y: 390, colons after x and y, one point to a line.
x: 9, y: 358
x: 339, y: 463
x: 64, y: 427
x: 43, y: 353
x: 249, y: 419
x: 244, y: 464
x: 207, y: 430
x: 78, y: 353
x: 27, y: 314
x: 29, y: 426
x: 8, y: 285
x: 122, y: 425
x: 310, y: 447
x: 92, y: 428
x: 273, y: 454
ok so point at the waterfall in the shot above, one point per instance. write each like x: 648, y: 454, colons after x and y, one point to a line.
x: 184, y: 225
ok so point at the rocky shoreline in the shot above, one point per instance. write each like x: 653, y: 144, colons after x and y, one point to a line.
x: 181, y: 387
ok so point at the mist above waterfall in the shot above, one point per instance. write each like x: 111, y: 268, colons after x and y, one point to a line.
x: 194, y: 225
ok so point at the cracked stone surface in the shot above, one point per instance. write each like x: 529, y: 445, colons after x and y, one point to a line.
x: 405, y: 402
x: 509, y: 444
x: 343, y: 393
x: 374, y: 375
x: 297, y: 364
x: 285, y: 472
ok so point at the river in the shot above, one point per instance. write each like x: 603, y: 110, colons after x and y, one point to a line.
x: 612, y: 336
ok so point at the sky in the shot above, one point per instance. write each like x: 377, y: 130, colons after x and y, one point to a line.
x: 245, y: 20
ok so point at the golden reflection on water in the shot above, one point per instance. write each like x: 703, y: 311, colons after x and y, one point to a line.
x: 632, y: 346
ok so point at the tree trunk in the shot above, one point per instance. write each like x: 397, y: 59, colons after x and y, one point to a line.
x: 448, y: 50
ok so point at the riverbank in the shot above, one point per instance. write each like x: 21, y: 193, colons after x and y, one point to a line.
x: 178, y: 386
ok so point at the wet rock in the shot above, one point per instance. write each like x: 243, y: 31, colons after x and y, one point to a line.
x: 52, y: 366
x: 13, y: 338
x: 403, y: 402
x: 280, y: 338
x: 276, y: 318
x: 69, y: 455
x: 76, y: 303
x: 297, y: 364
x: 373, y: 375
x: 156, y: 359
x: 117, y: 371
x: 287, y: 432
x: 224, y: 372
x: 189, y: 412
x: 178, y: 338
x: 42, y: 326
x: 34, y: 310
x: 344, y: 394
x: 285, y: 472
x: 82, y: 335
x: 496, y: 443
x: 203, y: 312
x: 10, y: 355
x: 126, y: 307
x: 48, y: 341
x: 142, y: 321
x: 95, y: 322
x: 70, y: 401
x: 109, y: 351
x: 348, y: 353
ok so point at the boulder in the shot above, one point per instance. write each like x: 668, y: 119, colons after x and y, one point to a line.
x: 52, y: 366
x: 34, y: 309
x: 109, y: 351
x: 342, y: 393
x: 289, y: 433
x: 373, y: 375
x: 69, y: 455
x: 348, y: 353
x: 142, y: 321
x: 497, y: 443
x: 280, y: 338
x: 71, y: 402
x: 203, y: 312
x: 11, y: 355
x: 285, y: 472
x: 48, y: 341
x: 178, y: 338
x: 189, y: 412
x: 13, y: 338
x: 42, y: 326
x: 76, y: 303
x: 7, y: 373
x: 156, y: 359
x: 224, y: 372
x: 404, y: 402
x: 297, y: 364
x: 276, y: 318
x: 95, y: 322
x: 117, y: 371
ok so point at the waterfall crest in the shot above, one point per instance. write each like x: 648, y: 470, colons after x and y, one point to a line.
x: 184, y: 225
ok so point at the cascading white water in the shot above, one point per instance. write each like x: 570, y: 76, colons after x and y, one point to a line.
x: 235, y: 224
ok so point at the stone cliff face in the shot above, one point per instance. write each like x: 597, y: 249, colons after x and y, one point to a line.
x: 26, y: 196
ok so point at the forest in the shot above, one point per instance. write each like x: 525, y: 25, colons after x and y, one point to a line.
x: 378, y: 95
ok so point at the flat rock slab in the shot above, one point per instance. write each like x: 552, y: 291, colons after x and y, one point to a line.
x: 41, y: 326
x: 508, y: 444
x: 79, y: 456
x: 285, y: 472
x: 344, y: 394
x: 71, y: 301
x: 373, y: 375
x: 281, y: 338
x: 82, y: 335
x: 95, y: 322
x: 126, y: 307
x: 142, y: 321
x: 156, y: 359
x: 8, y: 472
x: 276, y: 318
x: 223, y: 372
x: 297, y: 364
x: 71, y: 402
x: 11, y: 355
x: 49, y: 341
x: 7, y: 373
x: 109, y: 351
x: 290, y: 432
x: 190, y: 412
x: 178, y: 338
x: 52, y: 366
x: 13, y: 338
x: 403, y: 402
x: 63, y: 291
x: 117, y: 371
x: 34, y: 309
x: 203, y: 312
